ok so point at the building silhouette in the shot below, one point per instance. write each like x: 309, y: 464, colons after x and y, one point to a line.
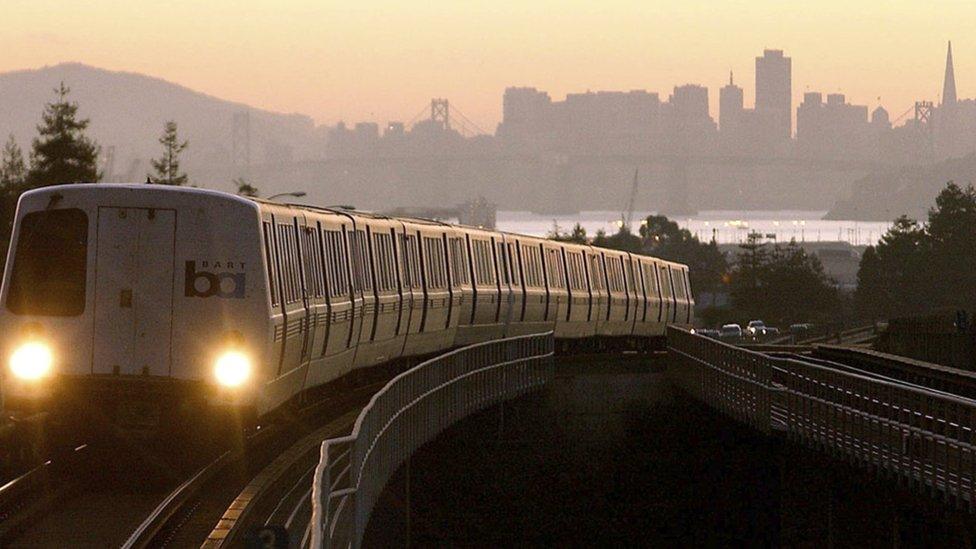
x: 949, y: 81
x: 730, y: 107
x: 774, y: 94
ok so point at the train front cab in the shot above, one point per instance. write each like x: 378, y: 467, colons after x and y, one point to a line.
x: 122, y: 300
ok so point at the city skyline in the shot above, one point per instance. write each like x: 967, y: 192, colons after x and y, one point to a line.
x: 383, y: 61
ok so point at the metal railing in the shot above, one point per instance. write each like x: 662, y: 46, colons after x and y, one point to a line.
x: 411, y: 410
x: 733, y: 380
x: 920, y: 436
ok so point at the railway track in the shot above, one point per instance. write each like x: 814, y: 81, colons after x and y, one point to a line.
x: 110, y: 495
x: 854, y: 336
x: 241, y: 489
x: 926, y: 374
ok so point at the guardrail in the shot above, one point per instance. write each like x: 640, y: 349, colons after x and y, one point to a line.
x: 731, y: 379
x: 411, y: 410
x: 923, y: 437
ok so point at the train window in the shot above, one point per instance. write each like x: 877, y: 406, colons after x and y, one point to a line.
x: 649, y: 281
x: 385, y: 267
x: 313, y: 262
x: 434, y: 261
x: 406, y: 272
x: 615, y: 274
x: 272, y: 279
x: 293, y: 265
x: 532, y: 262
x: 459, y: 263
x: 337, y: 274
x: 50, y: 269
x: 597, y: 276
x: 410, y: 259
x: 679, y: 284
x: 484, y: 270
x: 502, y: 264
x: 665, y: 283
x: 554, y: 269
x: 631, y: 280
x: 512, y: 257
x: 360, y: 255
x: 576, y: 277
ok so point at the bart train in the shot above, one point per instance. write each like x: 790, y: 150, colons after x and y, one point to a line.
x: 150, y: 295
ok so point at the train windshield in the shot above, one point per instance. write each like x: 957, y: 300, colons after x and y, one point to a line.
x: 50, y: 264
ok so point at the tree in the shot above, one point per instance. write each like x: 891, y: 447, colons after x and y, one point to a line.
x: 244, y: 188
x: 916, y: 269
x: 665, y: 239
x: 781, y: 284
x: 168, y: 165
x: 62, y: 153
x: 951, y: 232
x: 13, y: 171
x: 576, y: 236
x: 890, y: 276
x: 623, y: 240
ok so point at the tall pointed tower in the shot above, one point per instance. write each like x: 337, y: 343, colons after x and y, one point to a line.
x: 949, y: 84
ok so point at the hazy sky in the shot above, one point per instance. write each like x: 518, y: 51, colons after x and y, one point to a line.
x: 384, y: 60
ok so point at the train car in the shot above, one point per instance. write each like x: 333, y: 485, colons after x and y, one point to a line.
x: 145, y: 301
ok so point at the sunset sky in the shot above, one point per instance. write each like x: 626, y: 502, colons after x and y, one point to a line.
x: 384, y: 60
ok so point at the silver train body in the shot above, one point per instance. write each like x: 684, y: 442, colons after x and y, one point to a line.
x: 149, y: 291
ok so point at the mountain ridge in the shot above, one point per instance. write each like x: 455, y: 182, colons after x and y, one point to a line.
x: 127, y: 110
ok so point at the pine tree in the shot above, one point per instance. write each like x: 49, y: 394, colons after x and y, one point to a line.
x: 13, y: 171
x: 62, y: 153
x: 168, y: 166
x: 244, y: 188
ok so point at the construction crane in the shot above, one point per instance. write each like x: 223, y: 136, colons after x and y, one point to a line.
x: 627, y: 217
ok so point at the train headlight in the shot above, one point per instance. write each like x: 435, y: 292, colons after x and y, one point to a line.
x: 31, y: 361
x: 232, y: 369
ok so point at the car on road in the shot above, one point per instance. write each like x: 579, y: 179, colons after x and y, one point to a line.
x: 757, y: 329
x: 730, y: 332
x: 708, y: 332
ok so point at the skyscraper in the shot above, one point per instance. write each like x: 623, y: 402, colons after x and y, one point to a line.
x: 729, y: 107
x: 949, y: 83
x: 773, y: 93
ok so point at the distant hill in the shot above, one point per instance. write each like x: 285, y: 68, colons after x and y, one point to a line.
x: 883, y: 196
x: 127, y: 112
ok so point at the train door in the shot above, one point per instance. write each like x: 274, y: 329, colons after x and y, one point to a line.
x: 504, y: 312
x: 307, y: 256
x: 134, y: 291
x: 598, y: 284
x: 293, y: 295
x: 337, y: 281
x: 517, y: 305
x: 667, y: 293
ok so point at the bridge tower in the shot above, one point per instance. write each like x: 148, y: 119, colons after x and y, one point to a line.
x: 440, y: 112
x: 924, y: 114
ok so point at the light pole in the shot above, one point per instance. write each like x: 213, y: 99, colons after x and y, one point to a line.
x: 296, y: 194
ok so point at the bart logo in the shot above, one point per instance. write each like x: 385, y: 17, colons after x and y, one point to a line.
x: 224, y: 284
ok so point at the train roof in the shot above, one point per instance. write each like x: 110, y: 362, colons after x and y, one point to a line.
x: 258, y: 202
